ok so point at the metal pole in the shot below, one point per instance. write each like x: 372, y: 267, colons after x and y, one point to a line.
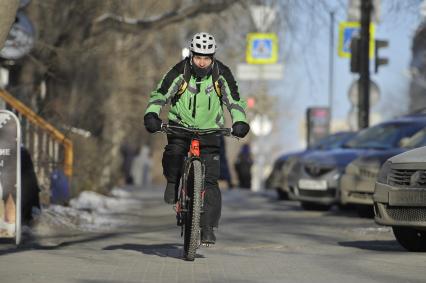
x: 364, y: 80
x: 331, y: 70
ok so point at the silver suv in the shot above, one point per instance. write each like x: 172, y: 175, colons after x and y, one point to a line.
x: 400, y: 198
x: 357, y: 184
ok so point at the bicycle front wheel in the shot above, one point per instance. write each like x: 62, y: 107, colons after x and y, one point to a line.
x: 192, y: 221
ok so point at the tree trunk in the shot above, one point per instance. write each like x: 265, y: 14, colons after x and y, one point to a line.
x: 8, y: 10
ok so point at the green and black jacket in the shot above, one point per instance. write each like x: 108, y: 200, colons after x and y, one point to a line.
x: 199, y: 106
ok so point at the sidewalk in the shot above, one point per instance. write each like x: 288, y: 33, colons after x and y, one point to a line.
x: 259, y: 240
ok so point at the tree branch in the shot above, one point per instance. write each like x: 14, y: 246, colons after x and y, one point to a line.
x: 132, y: 25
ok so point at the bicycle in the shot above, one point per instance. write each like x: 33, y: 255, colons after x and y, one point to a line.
x: 189, y: 205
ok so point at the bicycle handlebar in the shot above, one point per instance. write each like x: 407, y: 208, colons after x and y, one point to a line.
x: 166, y: 128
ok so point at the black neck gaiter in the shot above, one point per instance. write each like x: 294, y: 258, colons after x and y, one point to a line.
x: 201, y: 72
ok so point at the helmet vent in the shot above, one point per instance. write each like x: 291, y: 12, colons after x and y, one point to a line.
x: 198, y: 45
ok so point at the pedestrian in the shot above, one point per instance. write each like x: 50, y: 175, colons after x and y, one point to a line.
x: 243, y: 166
x: 141, y: 167
x: 197, y: 88
x: 225, y: 174
x: 128, y: 154
x: 29, y: 187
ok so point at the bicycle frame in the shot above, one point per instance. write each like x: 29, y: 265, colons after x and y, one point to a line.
x: 194, y: 153
x: 184, y: 193
x: 190, y: 203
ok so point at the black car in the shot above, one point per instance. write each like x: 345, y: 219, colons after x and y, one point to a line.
x: 278, y: 177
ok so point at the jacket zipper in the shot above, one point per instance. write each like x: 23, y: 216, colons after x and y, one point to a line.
x: 194, y: 110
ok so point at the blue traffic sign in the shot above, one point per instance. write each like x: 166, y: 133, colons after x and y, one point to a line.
x: 262, y: 48
x: 347, y: 30
x: 348, y: 33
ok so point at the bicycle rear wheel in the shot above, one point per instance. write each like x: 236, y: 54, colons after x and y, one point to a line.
x: 192, y: 221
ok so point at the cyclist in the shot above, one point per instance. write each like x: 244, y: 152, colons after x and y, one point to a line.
x: 196, y: 88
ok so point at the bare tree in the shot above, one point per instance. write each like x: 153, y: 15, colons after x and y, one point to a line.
x: 7, y: 15
x: 179, y: 13
x: 99, y: 71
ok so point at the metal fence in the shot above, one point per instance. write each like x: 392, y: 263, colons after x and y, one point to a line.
x: 49, y: 148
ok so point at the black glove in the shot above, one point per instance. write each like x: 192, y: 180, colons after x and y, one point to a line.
x: 240, y: 129
x: 152, y: 122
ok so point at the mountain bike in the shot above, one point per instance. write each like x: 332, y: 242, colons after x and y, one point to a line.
x: 189, y: 205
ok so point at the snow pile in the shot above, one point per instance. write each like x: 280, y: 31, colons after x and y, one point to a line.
x: 92, y: 201
x: 90, y: 211
x: 120, y: 193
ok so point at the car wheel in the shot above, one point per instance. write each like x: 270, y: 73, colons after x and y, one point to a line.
x: 281, y: 194
x: 365, y: 211
x: 411, y: 239
x: 314, y: 206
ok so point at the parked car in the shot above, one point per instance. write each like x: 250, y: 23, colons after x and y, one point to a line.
x: 358, y: 181
x: 278, y: 177
x: 400, y: 198
x: 316, y: 179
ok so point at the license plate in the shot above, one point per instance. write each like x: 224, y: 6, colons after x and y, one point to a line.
x: 407, y: 198
x: 320, y: 185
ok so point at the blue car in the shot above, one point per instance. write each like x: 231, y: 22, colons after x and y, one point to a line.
x: 315, y: 180
x: 278, y: 177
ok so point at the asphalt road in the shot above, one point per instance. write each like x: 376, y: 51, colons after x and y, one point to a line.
x: 259, y: 240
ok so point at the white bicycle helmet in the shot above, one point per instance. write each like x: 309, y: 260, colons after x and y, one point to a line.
x: 203, y: 43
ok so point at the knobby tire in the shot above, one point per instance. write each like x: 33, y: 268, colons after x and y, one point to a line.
x: 192, y: 223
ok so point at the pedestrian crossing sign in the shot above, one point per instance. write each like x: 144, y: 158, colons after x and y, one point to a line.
x: 262, y: 48
x: 347, y: 30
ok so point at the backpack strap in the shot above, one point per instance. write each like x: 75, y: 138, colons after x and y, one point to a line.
x: 186, y: 78
x: 215, y: 78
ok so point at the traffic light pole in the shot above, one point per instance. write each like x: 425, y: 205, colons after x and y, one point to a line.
x: 364, y: 80
x: 331, y: 70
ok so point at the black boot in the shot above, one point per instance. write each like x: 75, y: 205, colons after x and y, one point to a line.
x: 170, y: 193
x: 207, y: 235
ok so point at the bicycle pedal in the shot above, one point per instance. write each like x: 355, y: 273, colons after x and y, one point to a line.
x: 206, y: 245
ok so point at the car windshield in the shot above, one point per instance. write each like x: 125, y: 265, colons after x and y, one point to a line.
x: 418, y: 140
x: 378, y: 137
x: 331, y: 142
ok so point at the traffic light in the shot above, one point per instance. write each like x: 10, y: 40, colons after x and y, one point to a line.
x: 378, y: 61
x: 251, y: 101
x: 355, y: 54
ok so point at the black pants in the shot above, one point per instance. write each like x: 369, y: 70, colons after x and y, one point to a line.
x: 174, y: 154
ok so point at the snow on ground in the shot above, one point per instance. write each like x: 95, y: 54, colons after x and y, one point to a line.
x: 92, y: 201
x: 90, y: 211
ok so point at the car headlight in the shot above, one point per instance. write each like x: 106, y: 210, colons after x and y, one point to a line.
x: 384, y: 172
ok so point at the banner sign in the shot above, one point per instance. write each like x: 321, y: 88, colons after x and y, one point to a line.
x: 10, y: 176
